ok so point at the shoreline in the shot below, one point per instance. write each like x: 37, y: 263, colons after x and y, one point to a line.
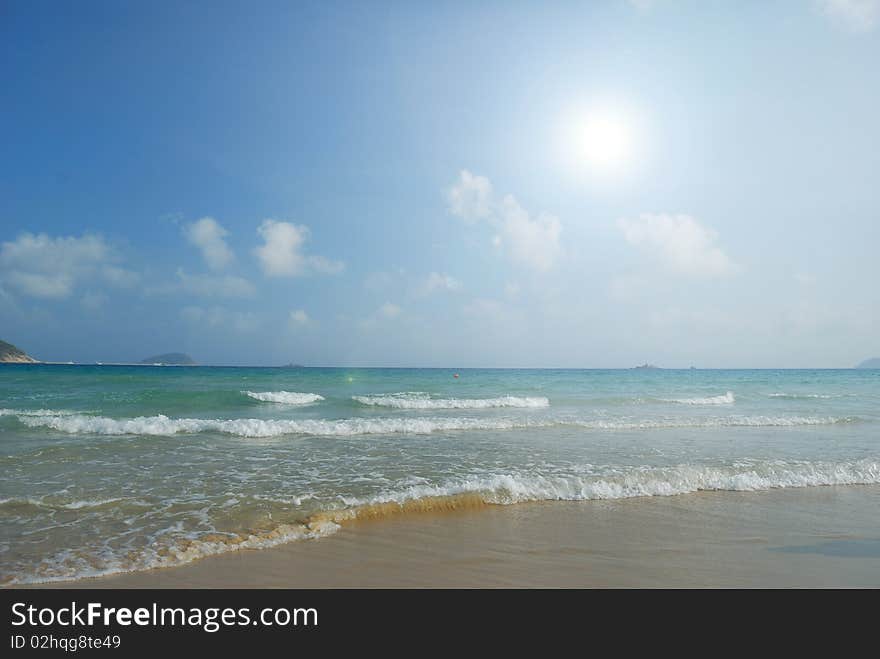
x: 826, y: 536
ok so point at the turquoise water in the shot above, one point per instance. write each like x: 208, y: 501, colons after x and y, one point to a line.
x: 109, y: 468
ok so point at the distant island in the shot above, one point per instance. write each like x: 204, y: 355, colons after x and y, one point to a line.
x: 10, y: 354
x: 170, y: 359
x: 874, y: 362
x: 292, y: 365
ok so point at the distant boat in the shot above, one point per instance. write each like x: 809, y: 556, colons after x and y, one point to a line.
x: 647, y: 365
x: 291, y: 365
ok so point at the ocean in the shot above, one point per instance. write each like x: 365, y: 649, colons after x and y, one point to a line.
x: 110, y: 469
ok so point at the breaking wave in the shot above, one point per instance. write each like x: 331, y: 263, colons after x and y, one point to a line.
x: 724, y: 399
x: 420, y: 401
x: 286, y: 397
x: 505, y: 489
x: 162, y: 425
x: 802, y: 396
x: 462, y: 493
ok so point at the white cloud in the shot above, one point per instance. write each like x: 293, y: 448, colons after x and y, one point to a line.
x: 680, y: 242
x: 215, y: 286
x: 390, y: 310
x: 282, y: 255
x: 533, y: 242
x: 46, y: 267
x: 209, y: 237
x: 437, y: 281
x: 221, y: 318
x: 470, y: 198
x: 855, y: 15
x: 298, y: 318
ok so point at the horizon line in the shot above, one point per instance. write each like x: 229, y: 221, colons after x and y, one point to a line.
x: 454, y: 368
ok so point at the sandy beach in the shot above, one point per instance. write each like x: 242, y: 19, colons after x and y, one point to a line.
x: 805, y: 537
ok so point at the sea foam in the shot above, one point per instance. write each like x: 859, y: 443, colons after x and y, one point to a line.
x: 162, y: 425
x: 638, y: 482
x: 59, y: 505
x: 8, y: 412
x: 286, y: 397
x: 723, y: 399
x: 68, y: 565
x: 464, y: 492
x: 802, y: 396
x: 420, y: 401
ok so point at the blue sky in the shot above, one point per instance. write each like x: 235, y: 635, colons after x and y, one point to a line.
x: 417, y: 183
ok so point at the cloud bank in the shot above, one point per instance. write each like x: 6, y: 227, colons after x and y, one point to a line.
x: 38, y: 265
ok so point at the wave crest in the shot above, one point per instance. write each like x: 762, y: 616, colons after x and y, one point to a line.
x: 802, y: 396
x: 418, y: 401
x: 165, y: 426
x: 161, y: 425
x: 285, y: 397
x: 506, y: 489
x: 724, y: 399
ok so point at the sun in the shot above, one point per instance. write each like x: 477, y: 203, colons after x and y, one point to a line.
x: 601, y: 140
x: 604, y: 141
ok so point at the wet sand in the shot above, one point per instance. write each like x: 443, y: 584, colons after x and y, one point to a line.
x: 806, y: 537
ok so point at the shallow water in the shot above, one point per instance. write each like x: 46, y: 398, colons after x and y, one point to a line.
x: 111, y: 469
